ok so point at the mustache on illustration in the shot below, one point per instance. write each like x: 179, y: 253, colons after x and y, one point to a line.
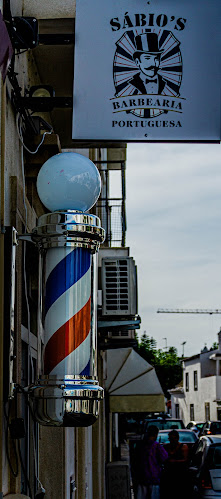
x: 151, y: 67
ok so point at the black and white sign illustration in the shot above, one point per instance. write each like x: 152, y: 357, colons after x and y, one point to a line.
x: 147, y: 70
x: 148, y: 63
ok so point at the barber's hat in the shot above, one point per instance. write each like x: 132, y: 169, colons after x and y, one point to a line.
x: 146, y: 43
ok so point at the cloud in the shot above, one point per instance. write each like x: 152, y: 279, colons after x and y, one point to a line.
x: 174, y: 231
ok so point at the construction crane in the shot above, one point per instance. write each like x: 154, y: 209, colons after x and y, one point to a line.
x: 188, y: 311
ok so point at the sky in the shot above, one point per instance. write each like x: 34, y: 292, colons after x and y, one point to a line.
x: 173, y: 203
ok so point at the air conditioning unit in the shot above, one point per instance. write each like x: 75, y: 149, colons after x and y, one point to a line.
x: 119, y: 286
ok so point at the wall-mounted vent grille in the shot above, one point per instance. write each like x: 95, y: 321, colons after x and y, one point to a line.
x: 121, y: 334
x: 119, y: 287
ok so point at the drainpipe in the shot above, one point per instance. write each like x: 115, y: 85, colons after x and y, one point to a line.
x: 67, y: 392
x: 2, y: 215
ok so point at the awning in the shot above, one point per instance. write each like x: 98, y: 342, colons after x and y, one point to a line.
x: 132, y: 383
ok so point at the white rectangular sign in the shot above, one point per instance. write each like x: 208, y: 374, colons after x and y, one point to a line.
x: 147, y: 70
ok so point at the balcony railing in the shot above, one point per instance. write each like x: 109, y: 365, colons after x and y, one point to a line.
x: 111, y: 210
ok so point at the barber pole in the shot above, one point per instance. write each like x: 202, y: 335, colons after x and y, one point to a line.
x: 67, y: 391
x: 68, y: 312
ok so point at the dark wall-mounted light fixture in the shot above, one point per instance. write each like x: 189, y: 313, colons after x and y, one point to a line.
x: 39, y: 98
x: 42, y: 98
x: 24, y: 32
x: 38, y: 91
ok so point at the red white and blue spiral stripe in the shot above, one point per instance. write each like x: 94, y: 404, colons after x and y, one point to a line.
x: 67, y: 312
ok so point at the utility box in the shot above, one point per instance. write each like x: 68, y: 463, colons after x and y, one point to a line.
x: 119, y: 286
x: 118, y: 480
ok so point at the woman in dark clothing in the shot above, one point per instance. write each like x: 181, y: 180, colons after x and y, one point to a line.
x: 153, y: 455
x: 177, y: 451
x: 175, y: 473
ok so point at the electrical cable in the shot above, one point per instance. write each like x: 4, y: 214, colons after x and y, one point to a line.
x: 24, y: 470
x: 19, y: 52
x: 35, y: 461
x: 19, y: 451
x: 14, y: 472
x: 17, y: 454
x: 27, y: 301
x: 24, y: 113
x: 21, y: 137
x: 24, y: 270
x: 20, y: 389
x: 7, y: 11
x: 30, y: 378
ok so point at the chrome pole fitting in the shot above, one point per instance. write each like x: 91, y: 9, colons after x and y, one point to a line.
x: 73, y: 401
x: 68, y: 228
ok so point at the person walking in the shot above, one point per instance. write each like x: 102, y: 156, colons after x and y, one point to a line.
x: 152, y: 455
x: 174, y: 480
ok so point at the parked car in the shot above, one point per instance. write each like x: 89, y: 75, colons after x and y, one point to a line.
x: 163, y: 424
x: 185, y: 437
x: 205, y: 468
x: 211, y: 428
x: 196, y: 426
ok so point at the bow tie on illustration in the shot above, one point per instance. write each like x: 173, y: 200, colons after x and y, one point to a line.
x: 151, y: 81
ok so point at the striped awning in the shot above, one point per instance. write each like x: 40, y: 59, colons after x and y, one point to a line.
x: 132, y: 383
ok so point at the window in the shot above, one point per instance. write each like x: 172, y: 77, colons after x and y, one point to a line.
x: 177, y: 411
x: 192, y: 412
x: 207, y: 411
x: 187, y: 382
x: 216, y: 457
x: 195, y: 380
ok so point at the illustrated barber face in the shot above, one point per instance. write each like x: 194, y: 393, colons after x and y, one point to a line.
x: 148, y: 63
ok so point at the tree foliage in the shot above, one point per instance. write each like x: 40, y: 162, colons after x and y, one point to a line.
x: 167, y: 364
x: 214, y: 345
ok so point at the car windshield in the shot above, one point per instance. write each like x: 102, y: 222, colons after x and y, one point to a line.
x: 166, y: 424
x: 184, y: 436
x: 199, y: 426
x: 214, y: 457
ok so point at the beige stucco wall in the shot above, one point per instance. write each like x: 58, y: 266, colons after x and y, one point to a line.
x: 27, y: 75
x: 13, y: 213
x: 52, y: 461
x: 46, y: 9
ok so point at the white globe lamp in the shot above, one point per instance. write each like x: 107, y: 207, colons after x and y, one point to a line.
x: 68, y: 181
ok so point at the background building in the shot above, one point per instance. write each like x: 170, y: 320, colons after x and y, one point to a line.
x: 198, y: 398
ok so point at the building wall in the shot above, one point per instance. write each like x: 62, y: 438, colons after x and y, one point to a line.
x: 205, y: 394
x: 71, y: 461
x: 208, y: 391
x: 208, y: 366
x: 193, y: 365
x: 13, y: 213
x: 65, y: 455
x: 70, y: 458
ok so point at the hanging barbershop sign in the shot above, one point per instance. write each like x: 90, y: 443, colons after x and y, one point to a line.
x: 147, y: 70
